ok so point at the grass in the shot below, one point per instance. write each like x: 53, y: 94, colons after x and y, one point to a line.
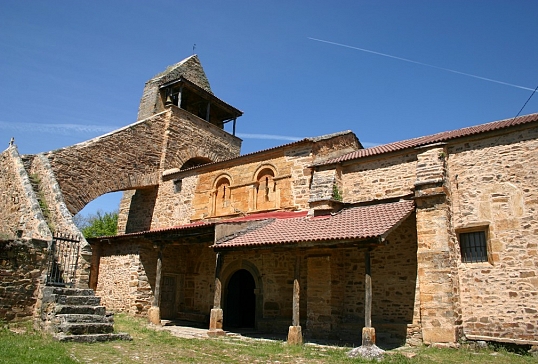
x: 19, y: 343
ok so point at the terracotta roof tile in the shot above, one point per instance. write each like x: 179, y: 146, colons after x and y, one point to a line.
x: 435, y: 138
x: 357, y: 223
x: 197, y: 224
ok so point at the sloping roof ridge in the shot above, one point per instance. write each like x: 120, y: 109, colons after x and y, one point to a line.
x: 173, y: 67
x: 355, y: 223
x: 329, y: 136
x: 282, y: 146
x: 434, y: 138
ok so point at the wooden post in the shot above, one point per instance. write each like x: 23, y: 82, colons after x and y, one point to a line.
x: 296, y: 292
x: 94, y: 267
x: 368, y: 332
x: 179, y: 96
x: 368, y: 349
x: 154, y: 312
x: 367, y: 290
x: 208, y: 111
x: 218, y: 284
x: 216, y: 317
x: 295, y: 335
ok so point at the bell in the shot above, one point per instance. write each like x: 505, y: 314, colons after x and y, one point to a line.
x: 168, y: 101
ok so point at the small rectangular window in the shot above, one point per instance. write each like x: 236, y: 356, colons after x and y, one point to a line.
x: 178, y: 184
x: 473, y: 247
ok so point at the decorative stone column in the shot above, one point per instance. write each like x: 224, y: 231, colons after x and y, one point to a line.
x: 154, y: 312
x: 217, y: 315
x: 437, y: 270
x: 295, y: 335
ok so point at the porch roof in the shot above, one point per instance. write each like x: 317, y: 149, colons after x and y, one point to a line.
x: 351, y: 224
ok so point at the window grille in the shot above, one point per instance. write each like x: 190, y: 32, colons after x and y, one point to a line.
x: 473, y: 247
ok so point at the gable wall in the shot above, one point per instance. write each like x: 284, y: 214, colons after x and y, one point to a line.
x: 494, y: 183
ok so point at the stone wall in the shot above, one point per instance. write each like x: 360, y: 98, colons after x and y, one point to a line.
x: 485, y: 182
x: 379, y: 177
x: 189, y: 271
x: 198, y: 196
x: 20, y: 213
x: 131, y: 220
x: 188, y: 136
x: 58, y: 216
x: 22, y: 265
x: 124, y: 279
x: 494, y: 188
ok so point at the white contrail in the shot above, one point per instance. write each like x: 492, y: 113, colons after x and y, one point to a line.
x: 64, y: 129
x: 268, y: 137
x: 422, y: 64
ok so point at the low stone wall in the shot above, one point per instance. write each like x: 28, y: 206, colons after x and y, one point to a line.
x: 22, y: 265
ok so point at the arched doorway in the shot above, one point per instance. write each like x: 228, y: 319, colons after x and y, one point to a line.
x: 240, y: 309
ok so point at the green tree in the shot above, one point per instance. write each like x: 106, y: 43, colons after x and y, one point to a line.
x: 99, y: 224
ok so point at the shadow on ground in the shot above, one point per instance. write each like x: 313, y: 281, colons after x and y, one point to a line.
x: 184, y: 328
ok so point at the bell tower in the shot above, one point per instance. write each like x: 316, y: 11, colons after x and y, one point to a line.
x: 186, y: 86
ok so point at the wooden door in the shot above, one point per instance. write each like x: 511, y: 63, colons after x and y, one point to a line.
x: 168, y: 296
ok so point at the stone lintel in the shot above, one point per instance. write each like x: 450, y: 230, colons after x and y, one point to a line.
x: 425, y: 192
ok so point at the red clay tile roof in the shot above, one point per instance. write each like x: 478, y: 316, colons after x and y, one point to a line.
x: 265, y: 216
x: 435, y: 138
x: 192, y: 225
x: 197, y: 224
x: 356, y: 223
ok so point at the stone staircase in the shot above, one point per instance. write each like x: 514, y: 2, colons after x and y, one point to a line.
x: 72, y: 314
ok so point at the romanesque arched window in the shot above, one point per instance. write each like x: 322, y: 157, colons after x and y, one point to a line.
x: 266, y: 190
x: 222, y: 197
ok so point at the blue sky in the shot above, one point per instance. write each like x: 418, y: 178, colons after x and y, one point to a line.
x: 388, y: 70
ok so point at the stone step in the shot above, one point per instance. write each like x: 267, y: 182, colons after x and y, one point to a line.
x: 83, y: 328
x: 65, y: 318
x: 78, y: 300
x: 92, y: 338
x: 72, y: 291
x: 80, y: 309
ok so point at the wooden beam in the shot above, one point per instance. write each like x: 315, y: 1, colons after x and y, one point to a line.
x: 296, y: 292
x: 158, y: 273
x: 367, y: 290
x: 218, y: 284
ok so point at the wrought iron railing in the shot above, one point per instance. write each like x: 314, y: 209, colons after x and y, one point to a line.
x: 63, y: 260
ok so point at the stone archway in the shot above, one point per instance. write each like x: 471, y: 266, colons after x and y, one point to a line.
x: 240, y: 306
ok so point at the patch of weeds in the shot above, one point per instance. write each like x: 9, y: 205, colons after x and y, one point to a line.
x: 337, y: 194
x: 36, y: 185
x: 523, y: 350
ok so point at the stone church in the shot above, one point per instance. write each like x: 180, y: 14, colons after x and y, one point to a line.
x: 431, y: 239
